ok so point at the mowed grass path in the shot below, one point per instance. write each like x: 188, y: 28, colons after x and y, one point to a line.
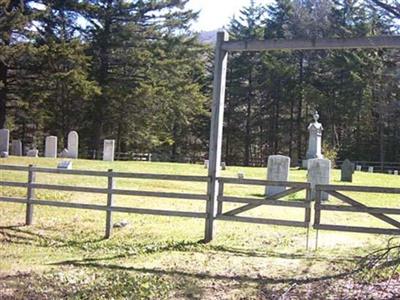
x: 64, y: 254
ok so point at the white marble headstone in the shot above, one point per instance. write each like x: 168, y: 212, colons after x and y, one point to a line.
x: 73, y: 144
x: 108, y: 150
x: 51, y: 147
x: 371, y: 169
x: 319, y: 172
x: 358, y: 167
x: 277, y: 170
x: 32, y: 153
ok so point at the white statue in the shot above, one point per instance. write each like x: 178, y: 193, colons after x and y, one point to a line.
x: 314, y: 141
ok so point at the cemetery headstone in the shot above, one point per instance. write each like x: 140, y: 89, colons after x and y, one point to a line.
x: 358, y: 167
x: 277, y: 170
x: 32, y: 153
x: 73, y: 144
x: 51, y: 147
x: 371, y: 169
x: 4, y: 140
x: 223, y: 165
x: 390, y: 171
x: 16, y: 147
x: 314, y: 140
x: 319, y: 172
x: 3, y: 154
x: 206, y: 162
x: 65, y: 164
x: 347, y: 171
x: 108, y: 150
x: 395, y: 172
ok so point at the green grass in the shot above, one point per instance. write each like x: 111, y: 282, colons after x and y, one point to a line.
x: 64, y: 254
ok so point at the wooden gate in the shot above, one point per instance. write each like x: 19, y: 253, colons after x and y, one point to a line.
x: 353, y: 205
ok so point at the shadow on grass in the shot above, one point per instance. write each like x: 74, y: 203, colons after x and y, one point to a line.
x: 91, y: 263
x: 16, y: 235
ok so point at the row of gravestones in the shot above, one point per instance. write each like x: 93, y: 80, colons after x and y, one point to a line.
x: 347, y: 170
x: 51, y: 147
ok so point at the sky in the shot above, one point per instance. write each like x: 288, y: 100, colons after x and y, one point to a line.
x: 214, y: 14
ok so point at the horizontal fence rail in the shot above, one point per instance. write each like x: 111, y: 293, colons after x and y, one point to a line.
x: 352, y: 205
x: 274, y: 200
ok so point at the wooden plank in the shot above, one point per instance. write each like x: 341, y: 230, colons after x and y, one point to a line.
x: 318, y: 44
x: 356, y: 188
x: 13, y: 184
x: 266, y: 202
x: 230, y: 180
x: 355, y: 203
x: 30, y: 194
x: 69, y: 188
x: 377, y: 210
x: 13, y: 200
x: 262, y: 221
x: 374, y: 230
x: 71, y: 172
x: 120, y: 209
x: 307, y: 215
x: 261, y: 202
x: 216, y: 126
x: 220, y: 198
x: 160, y: 194
x: 160, y: 176
x: 13, y: 168
x: 110, y: 186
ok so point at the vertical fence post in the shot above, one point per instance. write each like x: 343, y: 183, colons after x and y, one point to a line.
x: 215, y: 144
x: 220, y: 197
x: 317, y: 212
x: 30, y: 195
x: 110, y: 186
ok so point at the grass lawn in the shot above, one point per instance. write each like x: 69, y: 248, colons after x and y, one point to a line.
x: 63, y: 254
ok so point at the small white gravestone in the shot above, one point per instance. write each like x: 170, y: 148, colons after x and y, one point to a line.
x: 4, y: 140
x: 51, y: 147
x: 319, y: 172
x: 65, y: 164
x: 358, y: 167
x: 16, y: 147
x: 240, y: 175
x: 73, y: 144
x: 32, y: 153
x: 371, y: 169
x: 277, y: 170
x: 3, y: 154
x: 390, y: 171
x: 108, y: 150
x: 206, y: 162
x: 395, y: 172
x: 223, y: 166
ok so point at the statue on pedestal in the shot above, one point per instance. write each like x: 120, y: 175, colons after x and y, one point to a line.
x: 314, y: 141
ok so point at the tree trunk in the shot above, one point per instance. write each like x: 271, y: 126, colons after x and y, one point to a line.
x: 3, y: 93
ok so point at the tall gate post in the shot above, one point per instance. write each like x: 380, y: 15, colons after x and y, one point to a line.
x: 215, y: 143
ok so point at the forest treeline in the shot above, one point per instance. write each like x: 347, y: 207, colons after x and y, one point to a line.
x: 136, y: 72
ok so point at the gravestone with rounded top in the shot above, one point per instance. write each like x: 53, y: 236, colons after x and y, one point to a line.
x: 73, y: 144
x: 32, y: 153
x: 371, y: 169
x: 16, y: 147
x: 51, y: 147
x: 277, y: 170
x: 108, y: 150
x: 347, y: 171
x: 319, y: 172
x: 4, y: 140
